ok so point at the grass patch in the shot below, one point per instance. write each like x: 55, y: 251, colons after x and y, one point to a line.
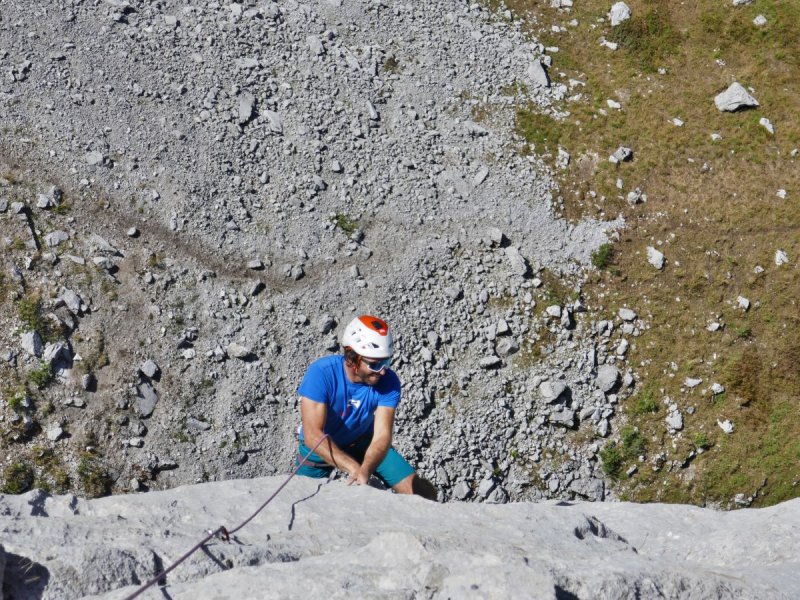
x: 712, y: 209
x: 612, y: 459
x: 602, y: 257
x: 345, y: 223
x: 94, y: 478
x: 17, y: 478
x: 649, y: 38
x: 42, y: 376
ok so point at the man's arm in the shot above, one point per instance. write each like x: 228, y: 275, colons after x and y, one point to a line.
x: 313, y: 415
x: 378, y: 447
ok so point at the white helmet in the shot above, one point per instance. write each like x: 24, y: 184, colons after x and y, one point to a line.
x: 369, y: 336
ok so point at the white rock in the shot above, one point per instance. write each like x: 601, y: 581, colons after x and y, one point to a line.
x: 31, y: 343
x: 725, y: 425
x: 607, y: 377
x: 93, y: 158
x: 489, y: 362
x: 480, y: 176
x: 781, y: 193
x: 537, y: 74
x: 274, y: 120
x: 239, y: 351
x: 734, y: 98
x: 655, y: 258
x: 674, y: 418
x: 613, y: 104
x: 766, y: 124
x: 55, y: 432
x: 760, y: 20
x: 627, y: 314
x: 621, y: 154
x: 149, y: 368
x: 554, y: 311
x: 551, y: 391
x: 315, y: 45
x: 743, y: 303
x: 54, y: 238
x: 677, y: 122
x: 619, y: 13
x: 717, y: 388
x: 518, y: 263
x: 781, y: 258
x: 692, y: 382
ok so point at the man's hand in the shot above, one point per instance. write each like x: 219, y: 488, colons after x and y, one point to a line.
x: 360, y: 477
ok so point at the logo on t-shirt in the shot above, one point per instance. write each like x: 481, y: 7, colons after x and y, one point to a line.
x: 354, y: 402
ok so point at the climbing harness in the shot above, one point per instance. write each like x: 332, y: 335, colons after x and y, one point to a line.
x: 221, y: 531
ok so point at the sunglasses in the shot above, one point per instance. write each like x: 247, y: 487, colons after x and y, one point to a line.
x: 378, y: 365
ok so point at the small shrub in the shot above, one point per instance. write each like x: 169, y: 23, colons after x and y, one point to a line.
x: 345, y: 223
x: 17, y: 478
x: 701, y: 441
x: 649, y: 38
x: 633, y: 443
x: 95, y: 480
x: 612, y: 459
x: 645, y: 403
x: 540, y: 130
x: 391, y: 65
x: 30, y: 313
x: 41, y: 377
x: 601, y: 258
x: 156, y: 261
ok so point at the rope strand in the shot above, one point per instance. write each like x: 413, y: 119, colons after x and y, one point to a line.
x: 222, y: 530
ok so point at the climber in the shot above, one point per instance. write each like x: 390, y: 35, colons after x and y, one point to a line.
x: 353, y: 397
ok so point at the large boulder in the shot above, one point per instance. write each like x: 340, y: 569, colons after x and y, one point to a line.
x: 734, y: 98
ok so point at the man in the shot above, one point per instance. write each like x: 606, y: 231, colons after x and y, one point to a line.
x: 352, y: 398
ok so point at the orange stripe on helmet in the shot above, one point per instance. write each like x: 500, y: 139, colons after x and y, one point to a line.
x: 375, y: 324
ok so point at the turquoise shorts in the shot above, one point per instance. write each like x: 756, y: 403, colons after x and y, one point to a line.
x: 392, y: 470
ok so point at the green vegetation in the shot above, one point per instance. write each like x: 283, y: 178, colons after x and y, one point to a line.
x: 390, y: 65
x: 648, y: 37
x: 601, y: 258
x: 30, y: 313
x: 644, y: 403
x: 712, y: 209
x: 614, y: 455
x: 17, y: 478
x: 701, y: 441
x: 94, y: 479
x: 42, y: 376
x: 612, y: 459
x: 345, y: 223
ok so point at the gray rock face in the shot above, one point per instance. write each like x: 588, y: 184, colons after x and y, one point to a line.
x: 580, y: 549
x: 619, y: 13
x: 146, y: 400
x: 734, y: 98
x: 31, y: 343
x: 607, y: 377
x: 655, y: 258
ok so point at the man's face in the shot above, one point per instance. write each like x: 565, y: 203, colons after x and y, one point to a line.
x: 368, y: 375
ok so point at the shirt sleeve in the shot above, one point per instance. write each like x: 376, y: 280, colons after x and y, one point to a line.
x: 315, y: 384
x: 390, y: 390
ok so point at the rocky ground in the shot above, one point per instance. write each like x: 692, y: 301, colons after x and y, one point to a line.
x: 196, y: 198
x: 311, y: 541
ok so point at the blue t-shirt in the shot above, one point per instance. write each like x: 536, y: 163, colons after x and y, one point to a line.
x: 351, y: 406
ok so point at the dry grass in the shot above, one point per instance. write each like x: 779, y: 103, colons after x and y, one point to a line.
x: 712, y: 209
